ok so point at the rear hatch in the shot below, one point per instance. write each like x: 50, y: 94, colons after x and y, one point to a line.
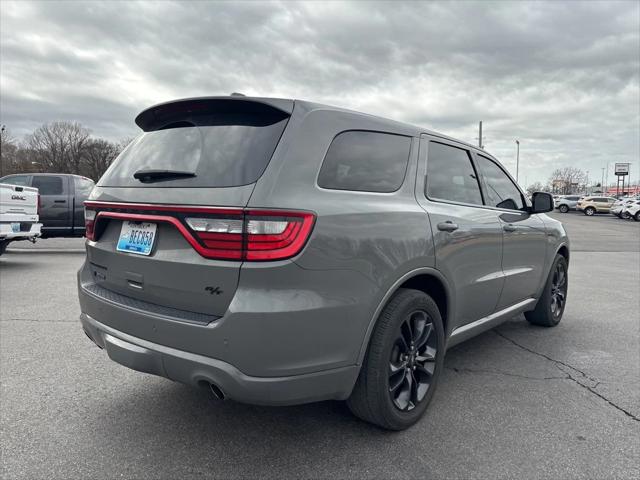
x: 18, y: 203
x: 165, y: 223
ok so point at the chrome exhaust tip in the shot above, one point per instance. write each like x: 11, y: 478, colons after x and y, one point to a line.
x: 217, y: 391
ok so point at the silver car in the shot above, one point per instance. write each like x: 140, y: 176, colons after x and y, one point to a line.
x: 567, y: 203
x: 281, y: 252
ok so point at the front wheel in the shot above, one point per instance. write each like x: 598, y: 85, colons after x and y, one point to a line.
x: 625, y: 215
x: 402, y: 364
x: 589, y: 211
x: 551, y: 304
x: 563, y: 209
x: 636, y: 217
x: 3, y: 246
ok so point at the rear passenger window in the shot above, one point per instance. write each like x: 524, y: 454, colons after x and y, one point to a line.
x: 48, y: 185
x: 451, y: 176
x: 22, y: 180
x: 365, y: 161
x: 501, y: 191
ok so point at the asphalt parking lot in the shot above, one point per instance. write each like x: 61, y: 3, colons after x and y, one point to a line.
x: 515, y: 402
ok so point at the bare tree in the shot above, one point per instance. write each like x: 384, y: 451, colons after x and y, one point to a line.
x: 536, y: 187
x: 58, y: 146
x: 98, y: 155
x: 567, y: 180
x: 8, y: 152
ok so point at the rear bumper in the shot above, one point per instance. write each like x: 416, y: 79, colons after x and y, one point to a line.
x: 28, y: 230
x: 198, y: 370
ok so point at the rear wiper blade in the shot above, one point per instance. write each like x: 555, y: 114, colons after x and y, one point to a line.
x: 148, y: 176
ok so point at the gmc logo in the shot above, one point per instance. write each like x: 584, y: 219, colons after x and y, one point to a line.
x: 18, y: 197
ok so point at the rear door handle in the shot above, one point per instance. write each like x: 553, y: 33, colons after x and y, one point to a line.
x: 510, y: 228
x: 59, y: 201
x: 447, y: 226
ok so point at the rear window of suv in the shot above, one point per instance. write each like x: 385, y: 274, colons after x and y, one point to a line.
x: 227, y: 150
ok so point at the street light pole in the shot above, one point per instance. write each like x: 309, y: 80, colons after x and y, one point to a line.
x: 517, y: 159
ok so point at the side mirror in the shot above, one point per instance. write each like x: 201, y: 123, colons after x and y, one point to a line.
x: 542, y: 202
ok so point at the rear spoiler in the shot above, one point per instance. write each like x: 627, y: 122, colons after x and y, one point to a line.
x: 156, y: 117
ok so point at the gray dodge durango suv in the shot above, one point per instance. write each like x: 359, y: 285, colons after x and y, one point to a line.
x: 282, y: 252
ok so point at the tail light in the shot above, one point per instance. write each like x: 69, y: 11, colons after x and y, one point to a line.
x: 89, y: 222
x: 222, y: 237
x: 218, y: 233
x: 273, y: 235
x: 256, y: 235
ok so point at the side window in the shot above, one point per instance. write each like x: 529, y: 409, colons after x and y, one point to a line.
x: 22, y: 180
x: 451, y: 176
x: 83, y: 186
x: 48, y: 185
x: 365, y: 161
x: 501, y: 191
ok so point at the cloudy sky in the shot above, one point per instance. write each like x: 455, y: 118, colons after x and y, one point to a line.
x: 563, y: 77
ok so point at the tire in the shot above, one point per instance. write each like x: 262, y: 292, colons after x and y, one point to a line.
x: 552, y: 302
x: 3, y: 246
x: 625, y: 216
x: 384, y: 393
x: 563, y: 209
x: 636, y: 217
x: 589, y: 211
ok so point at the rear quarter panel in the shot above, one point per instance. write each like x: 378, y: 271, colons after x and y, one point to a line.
x: 376, y: 236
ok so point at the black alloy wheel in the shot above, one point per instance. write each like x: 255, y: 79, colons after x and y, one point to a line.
x: 558, y: 290
x: 403, y: 362
x: 412, y: 362
x: 553, y: 300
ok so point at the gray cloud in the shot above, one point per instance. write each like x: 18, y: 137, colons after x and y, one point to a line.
x: 563, y: 77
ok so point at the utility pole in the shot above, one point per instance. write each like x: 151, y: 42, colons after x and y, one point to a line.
x: 517, y: 159
x: 602, y: 183
x: 480, y: 135
x: 586, y: 185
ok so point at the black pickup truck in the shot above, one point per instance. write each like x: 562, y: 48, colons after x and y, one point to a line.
x: 62, y: 199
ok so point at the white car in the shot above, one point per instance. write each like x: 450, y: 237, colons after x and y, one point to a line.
x: 19, y: 218
x: 620, y: 206
x: 632, y: 210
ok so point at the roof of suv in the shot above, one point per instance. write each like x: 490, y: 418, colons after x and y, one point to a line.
x: 147, y: 116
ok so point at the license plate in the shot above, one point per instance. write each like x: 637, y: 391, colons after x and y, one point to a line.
x: 15, y: 227
x: 137, y: 237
